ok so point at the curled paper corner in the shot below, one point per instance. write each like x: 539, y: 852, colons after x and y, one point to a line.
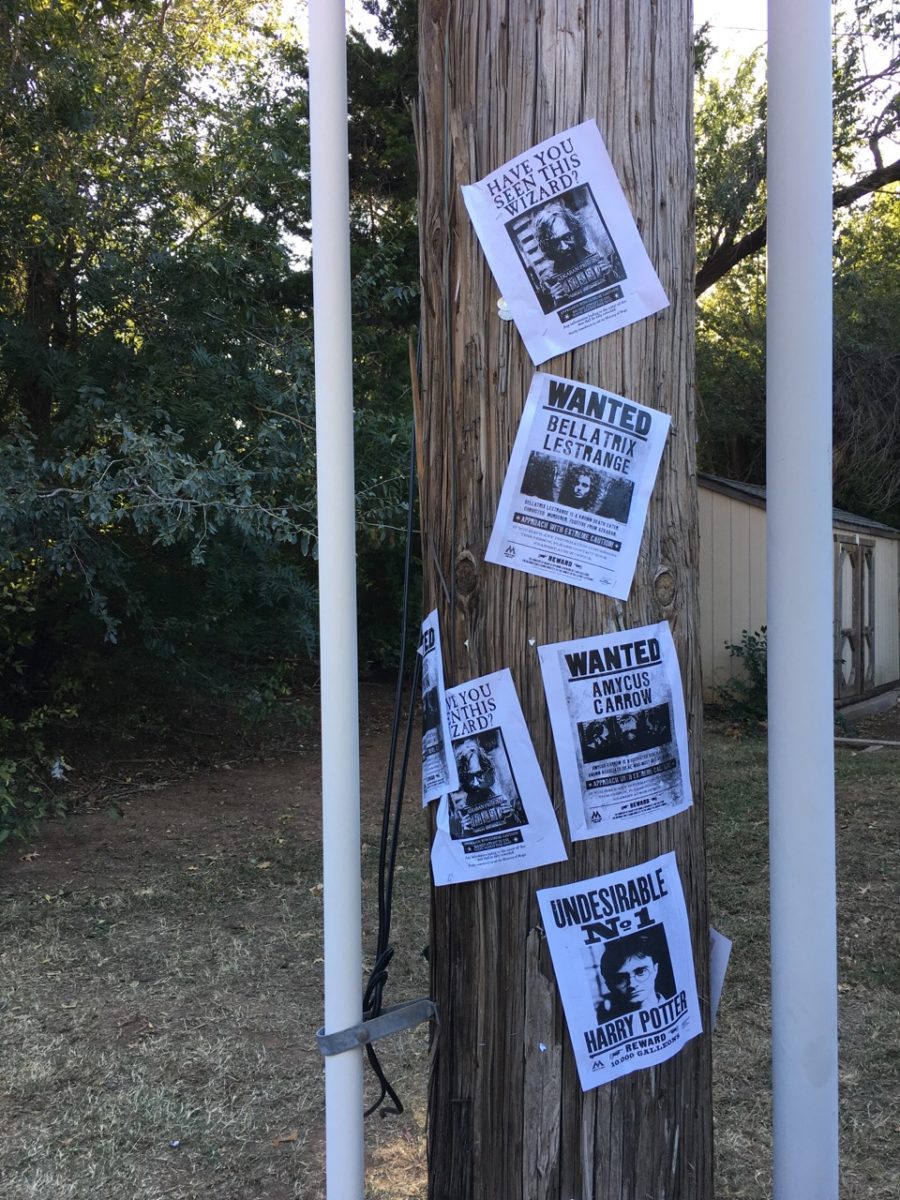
x: 503, y: 310
x: 531, y: 641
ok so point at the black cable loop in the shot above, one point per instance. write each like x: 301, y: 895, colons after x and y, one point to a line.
x: 390, y: 820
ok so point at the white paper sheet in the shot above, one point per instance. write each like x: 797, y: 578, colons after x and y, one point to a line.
x: 562, y: 244
x: 617, y: 711
x: 575, y: 497
x: 621, y: 951
x: 438, y: 764
x: 719, y: 954
x: 500, y: 819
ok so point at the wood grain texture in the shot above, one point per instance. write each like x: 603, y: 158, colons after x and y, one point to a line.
x: 506, y: 1119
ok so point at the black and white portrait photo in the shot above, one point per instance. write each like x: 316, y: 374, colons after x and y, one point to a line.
x: 632, y: 974
x: 625, y: 733
x: 578, y: 486
x: 488, y: 800
x: 598, y: 492
x: 566, y: 248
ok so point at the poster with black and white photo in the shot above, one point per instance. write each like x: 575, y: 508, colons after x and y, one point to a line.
x: 562, y: 244
x: 500, y: 819
x: 617, y: 712
x: 438, y: 764
x: 621, y: 951
x: 575, y: 496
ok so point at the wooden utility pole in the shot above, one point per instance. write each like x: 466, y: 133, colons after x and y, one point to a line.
x: 507, y: 1117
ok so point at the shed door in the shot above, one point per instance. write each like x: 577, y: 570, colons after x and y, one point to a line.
x: 854, y: 617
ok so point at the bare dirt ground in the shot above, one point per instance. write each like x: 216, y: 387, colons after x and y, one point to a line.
x: 136, y: 813
x: 160, y: 974
x: 884, y: 724
x: 160, y: 977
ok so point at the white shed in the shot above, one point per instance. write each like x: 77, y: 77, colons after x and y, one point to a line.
x: 733, y: 588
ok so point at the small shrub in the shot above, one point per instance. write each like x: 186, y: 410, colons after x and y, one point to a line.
x: 744, y: 699
x: 30, y: 766
x: 25, y: 801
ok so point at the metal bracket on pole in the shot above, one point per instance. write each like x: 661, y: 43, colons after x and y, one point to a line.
x: 391, y: 1020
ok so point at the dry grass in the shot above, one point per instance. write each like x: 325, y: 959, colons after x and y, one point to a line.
x: 868, y: 823
x: 157, y: 1025
x: 158, y: 1037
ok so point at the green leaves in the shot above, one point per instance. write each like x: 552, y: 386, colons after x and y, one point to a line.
x: 157, y: 440
x: 730, y: 156
x: 730, y: 127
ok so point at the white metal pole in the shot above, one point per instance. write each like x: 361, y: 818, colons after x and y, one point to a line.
x: 800, y: 603
x: 344, y: 1138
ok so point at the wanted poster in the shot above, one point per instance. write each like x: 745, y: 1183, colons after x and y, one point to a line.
x: 574, y: 501
x: 617, y: 713
x: 500, y: 819
x: 621, y: 951
x: 562, y: 244
x: 438, y: 764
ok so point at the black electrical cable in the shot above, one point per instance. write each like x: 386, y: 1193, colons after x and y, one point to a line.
x: 390, y: 821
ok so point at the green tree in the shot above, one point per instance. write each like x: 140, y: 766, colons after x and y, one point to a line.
x: 731, y: 376
x: 730, y: 156
x: 731, y: 115
x: 731, y: 186
x: 157, y: 470
x: 382, y: 79
x: 867, y: 359
x: 730, y: 164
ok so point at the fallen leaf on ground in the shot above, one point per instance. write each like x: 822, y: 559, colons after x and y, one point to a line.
x: 281, y: 1139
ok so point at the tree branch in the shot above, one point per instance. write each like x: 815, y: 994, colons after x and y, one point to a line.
x: 869, y: 183
x: 728, y: 255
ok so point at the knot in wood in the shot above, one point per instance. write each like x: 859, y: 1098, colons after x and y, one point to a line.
x: 664, y: 587
x: 466, y: 575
